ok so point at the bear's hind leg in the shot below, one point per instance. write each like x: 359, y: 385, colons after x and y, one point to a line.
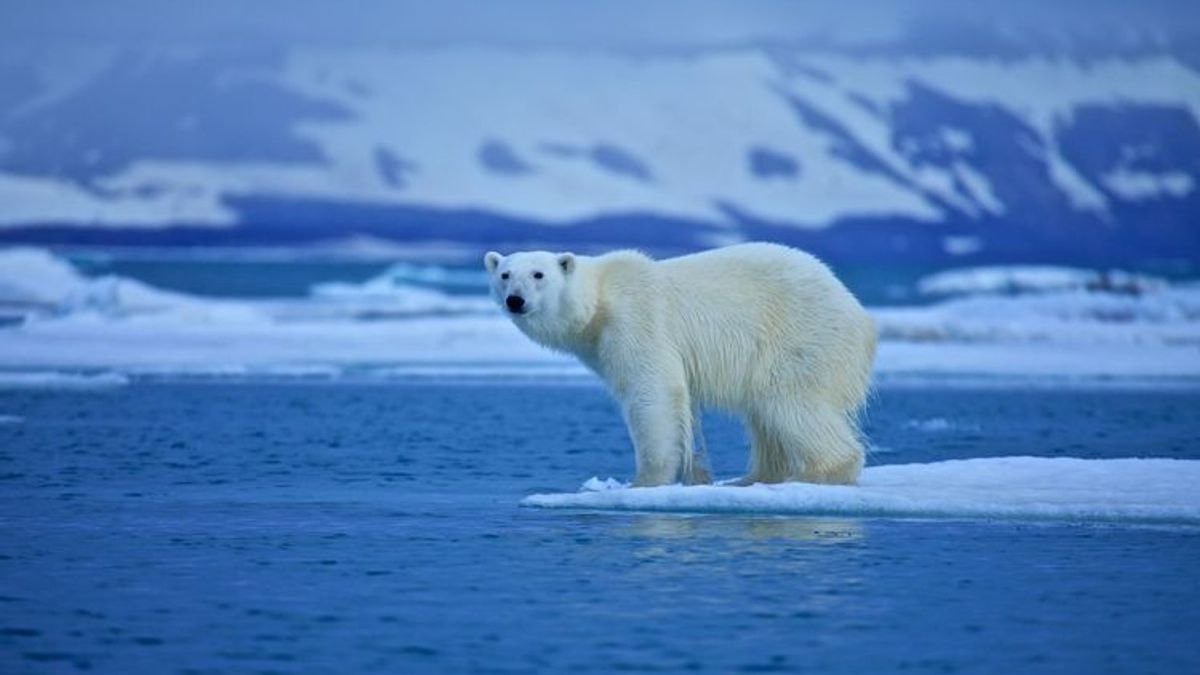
x: 807, y: 440
x: 769, y: 461
x: 830, y: 445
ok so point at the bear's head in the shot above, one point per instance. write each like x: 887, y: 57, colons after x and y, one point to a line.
x: 529, y: 284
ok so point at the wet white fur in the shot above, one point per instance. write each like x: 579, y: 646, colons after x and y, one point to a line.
x: 761, y: 330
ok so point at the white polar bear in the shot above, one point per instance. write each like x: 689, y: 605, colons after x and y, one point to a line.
x: 761, y: 330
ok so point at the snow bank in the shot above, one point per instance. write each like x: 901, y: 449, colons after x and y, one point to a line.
x: 1036, y: 364
x: 1066, y: 489
x: 60, y: 380
x: 1013, y: 279
x: 1169, y: 315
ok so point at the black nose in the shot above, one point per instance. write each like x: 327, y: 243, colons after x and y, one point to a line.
x: 515, y: 303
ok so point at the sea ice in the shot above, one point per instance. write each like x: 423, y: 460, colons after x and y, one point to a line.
x: 1064, y: 489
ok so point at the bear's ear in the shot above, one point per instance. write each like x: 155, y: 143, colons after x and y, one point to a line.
x: 491, y: 260
x: 566, y: 261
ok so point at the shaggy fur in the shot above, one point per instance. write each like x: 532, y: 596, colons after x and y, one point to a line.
x: 761, y: 330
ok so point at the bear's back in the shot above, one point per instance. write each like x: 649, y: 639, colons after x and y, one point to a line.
x: 746, y: 314
x: 754, y: 273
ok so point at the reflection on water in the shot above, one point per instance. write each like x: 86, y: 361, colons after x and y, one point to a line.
x: 822, y: 556
x: 743, y: 530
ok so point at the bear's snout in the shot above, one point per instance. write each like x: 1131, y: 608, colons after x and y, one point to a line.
x: 515, y: 303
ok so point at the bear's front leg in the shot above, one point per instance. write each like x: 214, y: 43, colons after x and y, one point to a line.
x: 660, y: 424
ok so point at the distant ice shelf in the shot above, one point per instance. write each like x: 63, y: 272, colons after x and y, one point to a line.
x: 59, y: 320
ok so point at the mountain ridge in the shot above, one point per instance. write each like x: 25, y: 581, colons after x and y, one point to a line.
x: 942, y: 157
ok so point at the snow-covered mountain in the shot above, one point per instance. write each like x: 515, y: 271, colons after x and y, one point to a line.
x: 1035, y: 155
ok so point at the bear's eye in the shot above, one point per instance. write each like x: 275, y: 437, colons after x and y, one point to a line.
x: 504, y: 276
x: 538, y: 275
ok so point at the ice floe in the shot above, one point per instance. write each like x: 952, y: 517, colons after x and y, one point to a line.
x: 1061, y: 489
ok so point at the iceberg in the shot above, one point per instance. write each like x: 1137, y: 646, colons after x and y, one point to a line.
x: 406, y: 289
x: 33, y: 277
x: 1023, y: 488
x: 36, y: 284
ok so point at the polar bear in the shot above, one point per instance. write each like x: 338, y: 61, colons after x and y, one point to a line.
x: 761, y: 330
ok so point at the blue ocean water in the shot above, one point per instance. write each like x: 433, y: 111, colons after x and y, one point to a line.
x: 294, y: 526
